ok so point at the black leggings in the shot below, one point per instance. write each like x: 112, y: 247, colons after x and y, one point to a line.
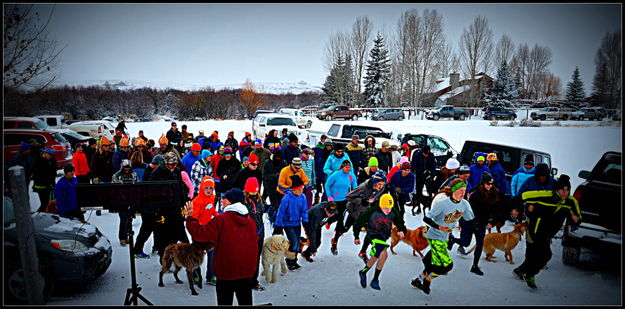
x: 44, y: 198
x: 147, y: 227
x: 537, y: 254
x: 339, y: 218
x: 467, y: 230
x: 227, y: 288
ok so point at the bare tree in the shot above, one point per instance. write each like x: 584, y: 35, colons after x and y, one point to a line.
x: 445, y: 59
x: 476, y: 48
x: 249, y: 98
x: 608, y: 75
x: 433, y: 42
x: 520, y: 66
x: 359, y: 46
x: 547, y: 86
x: 28, y: 53
x: 335, y: 47
x: 504, y: 50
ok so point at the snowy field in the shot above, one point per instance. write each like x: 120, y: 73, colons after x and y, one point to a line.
x: 333, y: 280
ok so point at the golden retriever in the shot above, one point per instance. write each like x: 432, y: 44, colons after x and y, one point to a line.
x: 189, y: 256
x: 275, y: 248
x: 502, y: 241
x: 415, y: 238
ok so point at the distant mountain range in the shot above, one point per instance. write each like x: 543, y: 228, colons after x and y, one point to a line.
x: 268, y: 87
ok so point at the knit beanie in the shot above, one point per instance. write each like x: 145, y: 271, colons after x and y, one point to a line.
x: 405, y: 165
x: 296, y: 162
x: 253, y: 158
x: 157, y: 159
x: 209, y: 180
x: 292, y: 138
x: 196, y: 147
x: 491, y: 156
x: 378, y: 176
x: 386, y: 201
x: 542, y: 169
x: 234, y: 195
x: 345, y: 163
x: 24, y: 146
x: 206, y: 153
x: 464, y: 170
x: 296, y: 182
x: 68, y: 168
x: 562, y: 183
x: 452, y: 164
x: 486, y: 177
x: 529, y: 159
x: 331, y: 207
x: 403, y: 160
x: 373, y: 161
x: 339, y: 147
x: 163, y: 140
x: 251, y: 185
x: 227, y: 150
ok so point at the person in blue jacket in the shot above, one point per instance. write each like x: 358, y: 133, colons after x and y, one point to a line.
x: 337, y: 186
x: 191, y: 157
x: 65, y: 193
x: 477, y: 169
x: 292, y: 212
x: 403, y: 183
x: 335, y: 160
x: 499, y: 175
x: 291, y: 150
x: 521, y: 175
x: 541, y: 181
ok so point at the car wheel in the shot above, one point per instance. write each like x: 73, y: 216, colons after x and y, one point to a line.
x: 329, y: 118
x: 462, y: 117
x: 565, y: 117
x: 354, y: 117
x: 308, y: 125
x: 15, y: 286
x: 512, y: 118
x: 437, y: 117
x: 380, y: 118
x: 570, y: 255
x: 580, y: 118
x: 400, y: 118
x: 543, y: 117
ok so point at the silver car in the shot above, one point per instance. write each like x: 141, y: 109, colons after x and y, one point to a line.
x: 388, y: 114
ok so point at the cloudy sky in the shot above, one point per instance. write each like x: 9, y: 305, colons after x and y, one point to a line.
x: 216, y: 44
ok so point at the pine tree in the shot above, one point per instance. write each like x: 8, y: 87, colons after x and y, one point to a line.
x: 600, y: 92
x: 378, y: 72
x: 575, y: 89
x: 504, y: 89
x: 333, y: 86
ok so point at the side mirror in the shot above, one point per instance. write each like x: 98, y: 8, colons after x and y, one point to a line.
x: 584, y: 174
x: 554, y: 171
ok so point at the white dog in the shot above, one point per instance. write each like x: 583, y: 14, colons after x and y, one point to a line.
x: 275, y: 248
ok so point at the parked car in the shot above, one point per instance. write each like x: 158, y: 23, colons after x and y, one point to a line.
x: 617, y: 116
x: 73, y: 137
x: 388, y: 114
x: 494, y: 112
x: 447, y: 111
x: 261, y: 111
x: 70, y: 252
x: 551, y: 112
x: 342, y: 133
x: 599, y: 199
x: 510, y: 157
x: 264, y: 123
x: 25, y: 123
x: 94, y: 128
x: 299, y: 117
x: 441, y: 149
x: 339, y: 111
x: 54, y: 121
x: 14, y: 137
x: 588, y: 113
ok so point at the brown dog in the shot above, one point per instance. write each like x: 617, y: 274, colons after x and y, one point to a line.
x: 51, y: 207
x: 415, y: 238
x: 504, y: 242
x: 189, y: 256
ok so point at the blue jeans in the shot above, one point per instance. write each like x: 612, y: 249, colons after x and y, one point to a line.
x: 209, y: 264
x: 293, y: 233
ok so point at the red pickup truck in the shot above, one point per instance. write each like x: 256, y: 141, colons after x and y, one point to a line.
x: 339, y: 111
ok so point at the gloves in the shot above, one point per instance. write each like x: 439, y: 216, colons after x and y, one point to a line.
x: 398, y: 190
x: 330, y: 199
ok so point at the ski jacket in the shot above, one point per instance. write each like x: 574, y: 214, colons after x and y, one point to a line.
x: 338, y: 184
x: 364, y: 175
x: 230, y: 168
x: 257, y: 209
x: 406, y: 184
x: 378, y: 225
x: 81, y: 165
x: 44, y: 172
x: 385, y: 160
x: 319, y: 163
x: 118, y: 156
x: 499, y: 176
x: 368, y: 151
x: 308, y: 166
x: 289, y: 152
x: 102, y: 166
x: 421, y: 165
x: 358, y: 199
x: 334, y: 163
x: 293, y: 210
x: 263, y: 155
x: 188, y: 160
x: 204, y: 205
x: 548, y: 214
x: 519, y: 178
x: 174, y: 136
x: 484, y: 204
x: 355, y: 153
x: 199, y: 170
x: 284, y: 181
x: 241, y: 177
x: 65, y: 193
x: 271, y: 174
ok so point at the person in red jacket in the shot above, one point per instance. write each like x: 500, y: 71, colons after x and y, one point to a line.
x: 236, y: 246
x: 79, y: 159
x: 204, y: 211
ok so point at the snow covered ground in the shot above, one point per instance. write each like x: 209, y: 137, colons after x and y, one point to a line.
x: 332, y: 280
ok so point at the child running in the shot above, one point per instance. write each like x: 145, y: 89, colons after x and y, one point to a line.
x: 442, y: 217
x: 378, y: 221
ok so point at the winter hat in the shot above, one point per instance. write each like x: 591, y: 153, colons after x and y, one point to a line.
x: 405, y: 165
x: 386, y: 201
x: 206, y: 153
x: 209, y: 180
x: 464, y: 170
x: 542, y: 169
x: 412, y: 143
x: 215, y: 135
x: 307, y: 151
x: 201, y: 132
x: 173, y: 123
x: 373, y: 161
x: 104, y: 141
x: 296, y: 162
x: 196, y: 147
x: 234, y: 195
x: 170, y: 158
x: 188, y: 144
x: 486, y: 177
x: 403, y: 160
x: 245, y: 159
x: 480, y: 158
x: 296, y: 182
x: 323, y: 136
x: 24, y: 146
x: 227, y: 150
x: 385, y: 144
x: 92, y: 141
x: 328, y: 142
x: 124, y: 142
x: 163, y: 140
x: 345, y: 163
x: 378, y: 176
x: 339, y: 147
x: 529, y: 160
x: 184, y: 126
x: 562, y: 183
x: 231, y: 133
x: 157, y: 159
x: 68, y: 168
x: 491, y: 156
x: 251, y: 185
x: 277, y: 154
x: 426, y: 149
x: 248, y: 134
x: 331, y: 207
x: 126, y: 163
x: 257, y: 142
x: 253, y: 159
x: 139, y: 142
x: 292, y: 138
x: 452, y: 164
x: 457, y: 184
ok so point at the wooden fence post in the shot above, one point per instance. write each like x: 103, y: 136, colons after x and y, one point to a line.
x: 25, y: 237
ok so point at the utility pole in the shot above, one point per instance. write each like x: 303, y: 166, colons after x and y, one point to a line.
x: 24, y: 228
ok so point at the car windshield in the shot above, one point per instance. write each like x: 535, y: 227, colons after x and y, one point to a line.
x: 280, y: 122
x: 59, y: 138
x: 331, y: 108
x: 41, y: 124
x: 74, y: 135
x: 545, y: 109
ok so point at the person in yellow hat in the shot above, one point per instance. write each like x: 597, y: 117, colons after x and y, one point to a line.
x: 102, y: 162
x: 378, y: 220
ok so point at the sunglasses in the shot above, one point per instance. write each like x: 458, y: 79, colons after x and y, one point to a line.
x: 254, y: 164
x: 490, y: 183
x: 227, y: 155
x: 332, y: 207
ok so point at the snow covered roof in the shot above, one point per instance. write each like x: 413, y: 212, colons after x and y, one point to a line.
x: 441, y: 84
x: 454, y: 92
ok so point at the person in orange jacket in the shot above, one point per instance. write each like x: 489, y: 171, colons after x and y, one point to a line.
x: 204, y: 211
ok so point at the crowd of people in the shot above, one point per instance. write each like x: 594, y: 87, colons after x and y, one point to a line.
x: 230, y: 187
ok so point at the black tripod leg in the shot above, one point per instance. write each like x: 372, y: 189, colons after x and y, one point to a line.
x: 133, y: 292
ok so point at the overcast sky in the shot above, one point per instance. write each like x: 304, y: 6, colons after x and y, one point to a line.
x: 216, y: 44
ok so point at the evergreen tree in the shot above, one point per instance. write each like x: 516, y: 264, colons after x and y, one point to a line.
x: 377, y: 73
x: 600, y: 83
x: 504, y: 89
x: 575, y: 89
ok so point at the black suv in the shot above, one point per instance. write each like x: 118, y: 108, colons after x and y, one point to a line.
x: 438, y: 145
x: 599, y: 199
x: 496, y: 112
x: 510, y: 157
